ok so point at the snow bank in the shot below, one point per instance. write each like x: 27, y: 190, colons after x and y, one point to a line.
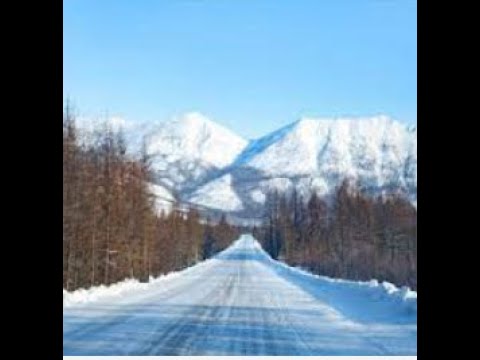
x: 375, y: 290
x: 127, y: 286
x: 383, y: 297
x: 134, y: 288
x: 378, y: 300
x: 100, y: 292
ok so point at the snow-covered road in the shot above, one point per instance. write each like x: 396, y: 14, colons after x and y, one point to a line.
x: 243, y: 303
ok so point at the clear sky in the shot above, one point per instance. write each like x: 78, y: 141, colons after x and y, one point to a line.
x: 252, y: 65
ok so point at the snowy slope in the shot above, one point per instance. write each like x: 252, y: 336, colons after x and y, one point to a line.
x: 218, y: 193
x: 241, y: 302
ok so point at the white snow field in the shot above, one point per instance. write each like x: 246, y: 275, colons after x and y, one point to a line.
x: 241, y: 302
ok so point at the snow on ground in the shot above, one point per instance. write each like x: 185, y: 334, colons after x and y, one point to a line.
x: 124, y: 291
x: 241, y: 302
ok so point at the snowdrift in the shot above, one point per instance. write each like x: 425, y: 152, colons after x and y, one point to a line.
x: 129, y: 289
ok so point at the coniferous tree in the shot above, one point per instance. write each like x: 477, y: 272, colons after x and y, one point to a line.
x: 352, y: 235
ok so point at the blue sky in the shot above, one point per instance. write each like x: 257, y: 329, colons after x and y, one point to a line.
x: 252, y: 65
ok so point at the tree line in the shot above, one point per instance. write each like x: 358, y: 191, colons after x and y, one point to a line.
x: 348, y: 235
x: 111, y: 228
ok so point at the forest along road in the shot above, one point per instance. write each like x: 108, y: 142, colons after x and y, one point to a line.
x: 242, y: 302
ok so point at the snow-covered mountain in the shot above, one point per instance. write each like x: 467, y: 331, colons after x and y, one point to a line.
x: 198, y: 161
x: 377, y: 153
x: 189, y: 150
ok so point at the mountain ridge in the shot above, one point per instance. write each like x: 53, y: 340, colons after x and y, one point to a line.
x: 200, y: 161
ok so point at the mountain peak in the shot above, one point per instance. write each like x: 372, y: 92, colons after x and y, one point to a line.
x: 193, y: 120
x: 191, y: 145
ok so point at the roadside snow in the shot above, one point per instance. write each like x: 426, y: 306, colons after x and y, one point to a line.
x: 131, y: 288
x: 373, y: 291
